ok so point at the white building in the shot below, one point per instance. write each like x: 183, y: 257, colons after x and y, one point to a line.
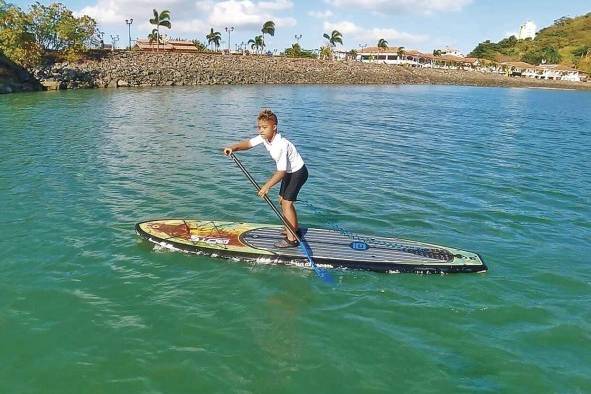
x: 527, y: 30
x: 451, y: 51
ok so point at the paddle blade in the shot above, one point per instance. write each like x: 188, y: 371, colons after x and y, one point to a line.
x: 322, y: 274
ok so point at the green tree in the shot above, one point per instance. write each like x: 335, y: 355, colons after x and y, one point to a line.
x: 257, y: 43
x: 160, y: 19
x: 382, y: 43
x: 297, y: 51
x: 268, y: 28
x: 56, y: 28
x: 548, y: 55
x: 335, y: 38
x: 201, y: 47
x: 437, y: 52
x: 17, y: 41
x: 326, y: 52
x: 153, y: 37
x: 214, y: 37
x: 401, y: 52
x: 294, y: 51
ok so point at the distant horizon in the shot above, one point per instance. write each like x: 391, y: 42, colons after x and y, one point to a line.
x: 423, y: 25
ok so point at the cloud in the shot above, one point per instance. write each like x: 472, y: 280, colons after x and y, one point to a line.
x: 401, y: 6
x: 320, y: 14
x: 249, y: 15
x: 356, y: 34
x: 190, y: 16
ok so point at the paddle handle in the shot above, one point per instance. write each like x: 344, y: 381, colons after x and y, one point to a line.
x: 256, y: 185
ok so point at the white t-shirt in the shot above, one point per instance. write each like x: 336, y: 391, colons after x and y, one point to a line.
x: 282, y: 151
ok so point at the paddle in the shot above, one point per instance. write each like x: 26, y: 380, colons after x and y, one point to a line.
x: 325, y: 276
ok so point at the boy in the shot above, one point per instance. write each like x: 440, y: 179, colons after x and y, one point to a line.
x: 291, y: 170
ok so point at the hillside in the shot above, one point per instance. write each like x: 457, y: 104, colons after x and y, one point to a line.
x: 567, y: 42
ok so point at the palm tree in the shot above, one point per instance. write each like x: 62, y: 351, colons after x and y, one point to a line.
x: 257, y: 43
x: 400, y: 52
x: 153, y: 37
x: 160, y: 19
x: 268, y: 28
x: 382, y: 43
x: 335, y: 38
x: 325, y: 52
x: 214, y: 37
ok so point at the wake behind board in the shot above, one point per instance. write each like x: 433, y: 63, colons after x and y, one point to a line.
x: 329, y: 248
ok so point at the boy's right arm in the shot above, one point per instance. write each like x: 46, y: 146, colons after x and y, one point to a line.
x: 242, y: 145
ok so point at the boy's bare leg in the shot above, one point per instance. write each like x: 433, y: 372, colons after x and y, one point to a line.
x: 292, y: 217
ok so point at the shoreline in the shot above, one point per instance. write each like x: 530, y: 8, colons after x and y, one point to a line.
x: 142, y: 69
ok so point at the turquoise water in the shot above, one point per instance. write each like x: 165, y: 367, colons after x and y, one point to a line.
x: 86, y: 306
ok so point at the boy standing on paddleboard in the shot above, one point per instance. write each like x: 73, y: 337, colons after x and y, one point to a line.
x: 291, y: 170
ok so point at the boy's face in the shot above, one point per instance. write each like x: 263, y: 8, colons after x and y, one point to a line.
x: 266, y: 129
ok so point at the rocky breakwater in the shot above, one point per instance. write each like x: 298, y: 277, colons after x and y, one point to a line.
x: 124, y: 69
x: 14, y: 78
x: 178, y: 69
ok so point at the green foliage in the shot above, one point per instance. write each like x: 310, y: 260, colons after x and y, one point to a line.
x: 268, y: 28
x: 56, y: 28
x: 297, y: 51
x: 201, y: 47
x: 214, y: 37
x: 335, y: 38
x: 326, y: 52
x: 382, y: 43
x: 548, y: 55
x: 160, y: 19
x: 257, y: 43
x: 24, y: 37
x: 567, y: 41
x: 17, y: 41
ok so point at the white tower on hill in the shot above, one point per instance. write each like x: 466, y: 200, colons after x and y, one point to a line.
x: 527, y: 30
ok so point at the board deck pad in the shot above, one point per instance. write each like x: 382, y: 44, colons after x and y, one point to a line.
x: 328, y: 248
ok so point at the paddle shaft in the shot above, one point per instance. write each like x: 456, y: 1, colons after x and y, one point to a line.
x: 256, y: 185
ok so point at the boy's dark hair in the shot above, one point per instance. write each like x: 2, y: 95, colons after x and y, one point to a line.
x: 267, y: 115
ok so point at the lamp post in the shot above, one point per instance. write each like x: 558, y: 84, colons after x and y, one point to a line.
x: 298, y: 37
x: 114, y: 39
x: 362, y: 46
x: 101, y: 34
x: 129, y: 22
x: 229, y: 30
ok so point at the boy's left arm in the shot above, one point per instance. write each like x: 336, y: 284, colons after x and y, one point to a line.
x: 277, y: 176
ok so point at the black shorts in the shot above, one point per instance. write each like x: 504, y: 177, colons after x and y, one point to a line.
x: 292, y: 183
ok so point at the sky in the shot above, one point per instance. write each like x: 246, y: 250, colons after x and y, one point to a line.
x: 424, y: 25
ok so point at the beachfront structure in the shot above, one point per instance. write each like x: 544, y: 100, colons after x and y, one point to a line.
x: 543, y: 71
x: 414, y: 58
x: 169, y: 45
x: 527, y: 30
x: 390, y: 55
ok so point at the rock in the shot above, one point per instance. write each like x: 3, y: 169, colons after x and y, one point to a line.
x: 51, y: 84
x: 121, y: 83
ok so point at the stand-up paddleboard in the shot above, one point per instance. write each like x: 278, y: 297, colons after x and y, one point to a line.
x: 330, y: 248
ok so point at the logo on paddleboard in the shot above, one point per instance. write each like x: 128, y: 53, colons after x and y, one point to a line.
x: 210, y: 240
x: 359, y: 245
